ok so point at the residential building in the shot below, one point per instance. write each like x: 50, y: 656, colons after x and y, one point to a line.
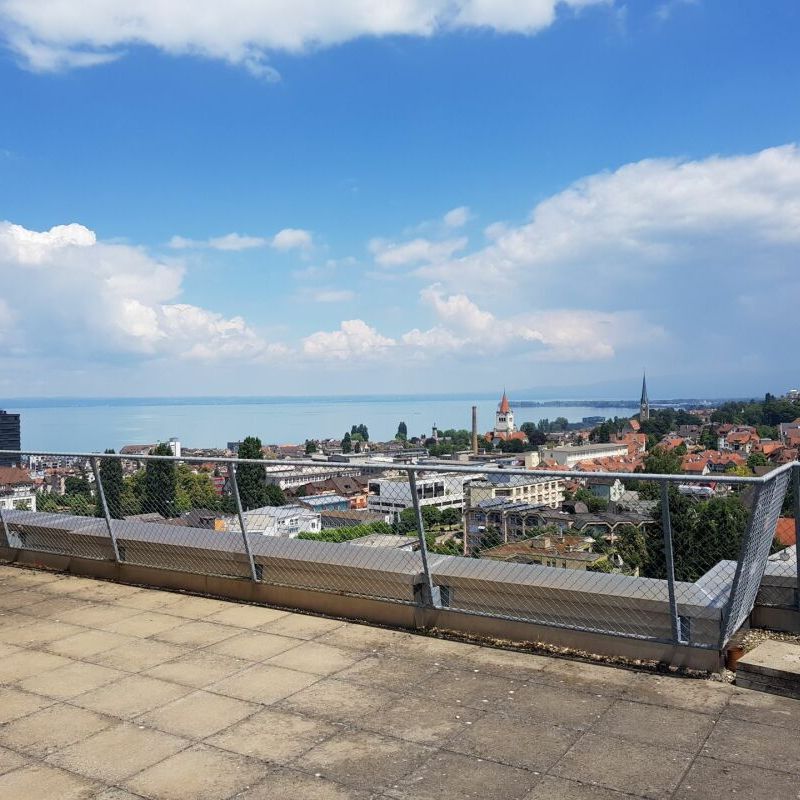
x: 287, y: 477
x: 17, y: 489
x: 545, y: 491
x: 10, y: 438
x: 325, y: 502
x: 570, y: 455
x: 286, y: 521
x: 608, y: 489
x: 392, y: 495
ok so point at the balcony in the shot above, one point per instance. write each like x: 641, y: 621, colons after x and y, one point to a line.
x: 698, y: 589
x: 117, y: 691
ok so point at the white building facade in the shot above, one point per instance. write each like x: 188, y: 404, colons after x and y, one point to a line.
x: 390, y: 496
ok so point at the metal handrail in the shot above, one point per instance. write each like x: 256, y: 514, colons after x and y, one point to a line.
x: 417, y: 468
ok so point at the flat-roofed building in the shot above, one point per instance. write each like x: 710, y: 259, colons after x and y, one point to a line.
x: 537, y: 489
x: 392, y: 495
x: 570, y: 455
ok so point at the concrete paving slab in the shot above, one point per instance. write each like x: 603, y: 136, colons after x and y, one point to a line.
x: 137, y: 655
x: 244, y: 616
x: 117, y: 753
x: 253, y: 645
x: 70, y: 680
x: 144, y: 624
x: 25, y: 663
x: 365, y: 761
x: 515, y: 742
x: 709, y: 777
x: 15, y: 703
x: 200, y: 772
x: 302, y: 626
x: 451, y: 776
x: 631, y: 767
x: 197, y: 715
x: 315, y: 658
x: 10, y: 760
x: 40, y: 781
x: 339, y: 701
x: 190, y: 607
x: 197, y: 634
x: 198, y: 668
x: 130, y: 696
x: 656, y: 725
x: 288, y: 784
x: 552, y: 788
x: 766, y: 709
x: 86, y: 644
x: 555, y: 705
x: 263, y: 684
x: 765, y: 746
x: 274, y: 736
x: 418, y: 720
x: 42, y: 733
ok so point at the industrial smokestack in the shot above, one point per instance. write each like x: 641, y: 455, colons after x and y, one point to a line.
x: 474, y: 430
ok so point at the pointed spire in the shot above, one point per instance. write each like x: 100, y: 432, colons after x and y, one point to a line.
x: 644, y: 403
x: 505, y: 406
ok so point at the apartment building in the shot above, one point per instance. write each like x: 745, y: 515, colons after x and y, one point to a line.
x: 540, y: 490
x: 390, y: 496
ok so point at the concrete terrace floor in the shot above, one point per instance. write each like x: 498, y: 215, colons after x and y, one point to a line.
x: 117, y: 692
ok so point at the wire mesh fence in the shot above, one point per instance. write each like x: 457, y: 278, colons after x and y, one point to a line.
x: 662, y: 558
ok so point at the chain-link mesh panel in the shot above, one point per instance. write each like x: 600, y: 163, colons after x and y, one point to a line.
x: 51, y: 506
x: 355, y: 535
x: 754, y: 552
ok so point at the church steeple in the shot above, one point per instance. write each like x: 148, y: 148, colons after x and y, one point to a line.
x: 644, y: 403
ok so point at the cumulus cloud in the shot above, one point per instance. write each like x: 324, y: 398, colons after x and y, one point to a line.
x: 109, y: 299
x: 393, y: 254
x: 48, y: 35
x: 353, y: 339
x: 556, y: 335
x: 643, y: 219
x: 293, y: 239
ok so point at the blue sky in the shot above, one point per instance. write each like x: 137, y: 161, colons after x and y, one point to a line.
x: 280, y: 198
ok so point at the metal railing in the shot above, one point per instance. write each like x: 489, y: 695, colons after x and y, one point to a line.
x: 673, y: 559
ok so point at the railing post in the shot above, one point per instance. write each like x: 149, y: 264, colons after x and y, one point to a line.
x: 102, y: 495
x: 235, y: 490
x: 432, y: 591
x: 796, y: 487
x: 6, y: 541
x: 666, y: 525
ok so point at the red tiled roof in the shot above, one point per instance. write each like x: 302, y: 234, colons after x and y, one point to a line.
x: 14, y: 476
x: 785, y: 531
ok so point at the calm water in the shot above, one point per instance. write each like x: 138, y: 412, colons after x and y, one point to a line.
x: 95, y: 424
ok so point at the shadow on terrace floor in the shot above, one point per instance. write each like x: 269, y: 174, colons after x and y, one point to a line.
x: 117, y: 692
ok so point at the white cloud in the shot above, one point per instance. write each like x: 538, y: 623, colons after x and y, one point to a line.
x: 559, y: 335
x: 354, y: 339
x: 643, y: 218
x: 229, y: 242
x: 96, y: 298
x: 293, y: 239
x: 49, y: 35
x: 456, y: 217
x: 392, y: 254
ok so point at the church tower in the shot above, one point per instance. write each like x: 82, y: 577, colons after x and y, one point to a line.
x: 644, y: 403
x: 504, y: 418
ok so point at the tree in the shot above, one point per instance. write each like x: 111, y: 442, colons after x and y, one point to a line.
x: 360, y: 431
x: 195, y: 490
x: 593, y: 502
x: 111, y: 479
x: 756, y: 460
x: 160, y: 484
x: 357, y: 446
x: 250, y: 478
x: 451, y: 516
x: 631, y: 547
x: 663, y: 462
x: 703, y: 534
x: 402, y: 432
x: 311, y: 447
x: 274, y: 496
x: 561, y: 423
x: 347, y: 444
x: 77, y: 485
x: 708, y: 438
x: 535, y: 436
